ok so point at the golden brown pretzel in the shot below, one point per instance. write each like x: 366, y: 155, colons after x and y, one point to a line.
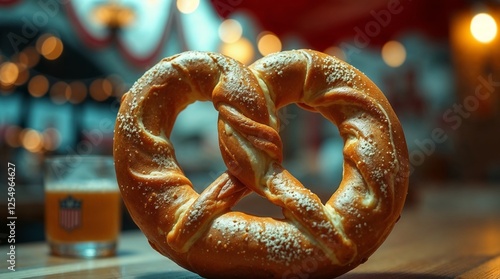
x: 199, y: 231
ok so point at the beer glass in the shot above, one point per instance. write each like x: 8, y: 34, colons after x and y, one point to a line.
x: 82, y: 206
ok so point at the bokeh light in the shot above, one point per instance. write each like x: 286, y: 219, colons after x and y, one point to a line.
x: 78, y: 92
x: 58, y: 92
x: 51, y: 139
x: 38, y: 86
x: 230, y: 31
x: 187, y: 6
x: 12, y: 136
x: 336, y: 52
x: 49, y: 46
x: 268, y: 43
x: 241, y: 50
x: 101, y: 89
x: 31, y: 140
x: 483, y: 27
x: 9, y: 72
x: 393, y: 54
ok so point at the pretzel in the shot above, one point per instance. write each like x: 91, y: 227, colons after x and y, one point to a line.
x: 200, y: 232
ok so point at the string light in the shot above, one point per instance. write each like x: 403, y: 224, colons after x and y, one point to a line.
x: 336, y: 52
x: 12, y: 136
x: 51, y: 139
x: 38, y: 86
x: 118, y: 85
x: 483, y: 27
x: 49, y: 46
x: 107, y: 88
x: 23, y: 75
x: 58, y: 92
x: 9, y: 73
x: 241, y: 50
x: 31, y: 140
x: 113, y: 15
x: 29, y: 56
x: 101, y: 89
x: 393, y: 54
x: 187, y: 6
x: 78, y: 92
x: 268, y: 43
x: 230, y: 31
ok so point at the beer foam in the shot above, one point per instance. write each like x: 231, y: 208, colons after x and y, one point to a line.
x: 94, y: 185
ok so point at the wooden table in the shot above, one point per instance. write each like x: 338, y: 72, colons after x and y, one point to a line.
x: 446, y: 234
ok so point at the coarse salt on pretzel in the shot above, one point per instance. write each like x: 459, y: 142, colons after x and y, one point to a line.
x: 199, y: 231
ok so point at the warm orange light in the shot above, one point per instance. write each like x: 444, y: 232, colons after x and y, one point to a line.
x: 23, y: 58
x: 336, y: 52
x: 51, y: 139
x: 29, y: 57
x: 9, y: 73
x: 49, y: 46
x: 393, y: 54
x: 241, y: 50
x: 78, y: 92
x: 114, y: 15
x: 107, y: 87
x: 101, y: 89
x: 187, y: 6
x: 38, y: 86
x: 483, y: 27
x: 230, y: 31
x: 31, y: 140
x: 12, y: 136
x: 23, y: 75
x: 58, y: 92
x: 118, y: 85
x: 67, y: 92
x: 267, y: 43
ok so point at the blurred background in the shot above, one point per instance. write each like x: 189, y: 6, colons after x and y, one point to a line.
x: 64, y: 66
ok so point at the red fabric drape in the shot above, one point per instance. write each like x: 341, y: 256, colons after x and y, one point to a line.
x: 323, y: 23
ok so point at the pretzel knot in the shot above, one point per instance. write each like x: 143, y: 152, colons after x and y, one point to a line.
x: 199, y: 231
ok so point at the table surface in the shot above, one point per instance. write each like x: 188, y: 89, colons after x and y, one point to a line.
x: 450, y: 234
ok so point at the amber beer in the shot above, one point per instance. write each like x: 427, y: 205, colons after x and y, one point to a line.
x: 76, y: 216
x: 82, y: 206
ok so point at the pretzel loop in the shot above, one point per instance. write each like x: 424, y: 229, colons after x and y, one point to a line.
x: 199, y: 231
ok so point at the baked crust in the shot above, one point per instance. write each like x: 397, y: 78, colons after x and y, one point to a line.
x: 199, y: 231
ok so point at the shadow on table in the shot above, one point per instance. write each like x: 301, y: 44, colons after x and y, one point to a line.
x: 393, y: 275
x: 373, y: 275
x: 172, y: 274
x: 385, y: 275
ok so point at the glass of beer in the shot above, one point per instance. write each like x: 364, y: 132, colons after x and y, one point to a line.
x: 82, y: 206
